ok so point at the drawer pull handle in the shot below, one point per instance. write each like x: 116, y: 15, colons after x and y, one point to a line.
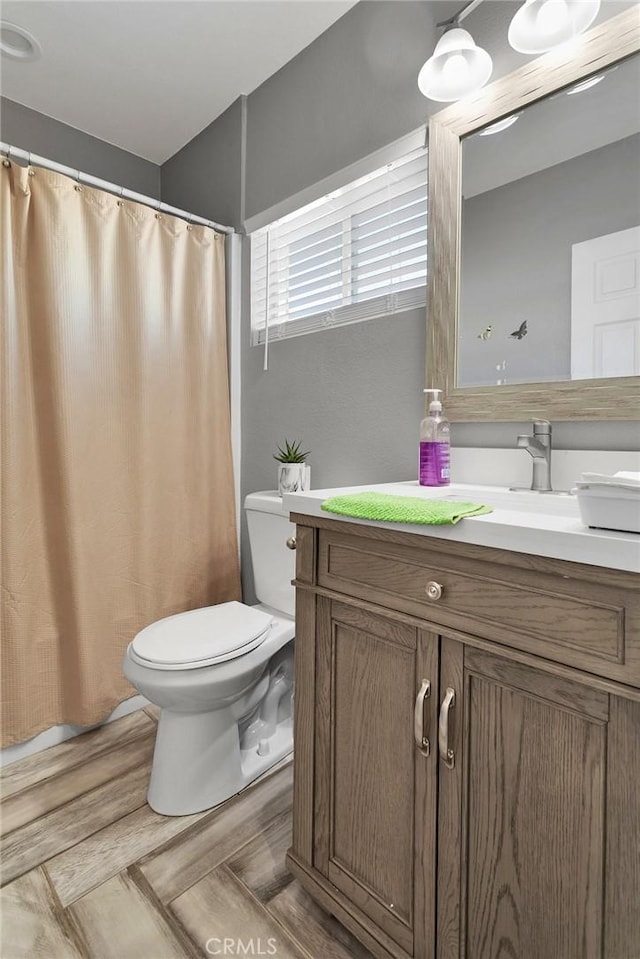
x: 446, y: 753
x: 419, y: 732
x: 434, y: 590
x: 291, y: 542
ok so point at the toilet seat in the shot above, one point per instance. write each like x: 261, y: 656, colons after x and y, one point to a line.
x: 201, y: 637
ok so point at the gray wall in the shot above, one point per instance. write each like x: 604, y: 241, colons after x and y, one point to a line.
x: 205, y: 177
x: 352, y: 394
x: 37, y: 133
x: 349, y: 93
x: 516, y: 260
x: 358, y: 425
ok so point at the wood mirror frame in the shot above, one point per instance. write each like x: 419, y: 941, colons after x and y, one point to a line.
x: 615, y: 398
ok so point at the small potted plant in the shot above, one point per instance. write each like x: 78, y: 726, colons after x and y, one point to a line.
x: 293, y: 474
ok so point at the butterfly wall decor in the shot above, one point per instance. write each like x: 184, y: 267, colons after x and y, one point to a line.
x: 486, y: 333
x: 521, y: 332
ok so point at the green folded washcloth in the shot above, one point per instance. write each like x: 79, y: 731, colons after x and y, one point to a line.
x: 402, y: 509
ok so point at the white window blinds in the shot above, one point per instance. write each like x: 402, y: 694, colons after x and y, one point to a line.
x: 358, y: 253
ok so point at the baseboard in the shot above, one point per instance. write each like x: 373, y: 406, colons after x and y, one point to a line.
x: 59, y: 734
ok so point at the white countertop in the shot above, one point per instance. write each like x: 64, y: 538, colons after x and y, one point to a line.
x: 540, y: 524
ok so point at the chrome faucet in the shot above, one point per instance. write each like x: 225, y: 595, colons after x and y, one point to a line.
x: 538, y: 445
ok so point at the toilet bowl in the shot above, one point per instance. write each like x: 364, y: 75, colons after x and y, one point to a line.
x: 223, y: 679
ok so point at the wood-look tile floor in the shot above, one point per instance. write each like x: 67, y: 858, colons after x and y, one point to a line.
x: 89, y: 870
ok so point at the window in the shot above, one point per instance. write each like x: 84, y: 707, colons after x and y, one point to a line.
x: 358, y: 253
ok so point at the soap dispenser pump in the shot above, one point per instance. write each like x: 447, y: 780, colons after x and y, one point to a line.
x: 435, y: 447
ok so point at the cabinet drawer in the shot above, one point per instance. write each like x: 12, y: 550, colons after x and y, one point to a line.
x: 581, y: 623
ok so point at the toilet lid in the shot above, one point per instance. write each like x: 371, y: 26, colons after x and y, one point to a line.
x: 201, y: 637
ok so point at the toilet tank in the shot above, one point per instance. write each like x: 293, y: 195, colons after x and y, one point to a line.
x: 274, y: 564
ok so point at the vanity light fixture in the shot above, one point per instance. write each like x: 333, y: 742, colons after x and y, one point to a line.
x: 501, y: 125
x: 17, y: 43
x: 541, y: 25
x: 457, y: 67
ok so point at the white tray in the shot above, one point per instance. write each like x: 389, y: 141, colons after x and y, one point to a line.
x: 609, y: 507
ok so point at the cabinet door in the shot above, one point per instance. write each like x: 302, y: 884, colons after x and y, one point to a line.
x: 523, y: 851
x: 375, y: 790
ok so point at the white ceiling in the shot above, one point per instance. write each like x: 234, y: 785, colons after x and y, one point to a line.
x: 148, y: 75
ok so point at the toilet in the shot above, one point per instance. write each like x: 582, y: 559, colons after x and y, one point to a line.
x: 223, y: 678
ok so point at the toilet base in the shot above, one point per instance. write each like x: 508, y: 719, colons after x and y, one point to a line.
x: 198, y: 763
x: 279, y: 745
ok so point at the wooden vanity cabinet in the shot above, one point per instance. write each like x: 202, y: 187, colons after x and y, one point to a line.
x: 374, y: 797
x: 537, y: 811
x: 515, y: 830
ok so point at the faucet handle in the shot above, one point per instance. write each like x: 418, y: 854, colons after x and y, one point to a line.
x: 541, y: 427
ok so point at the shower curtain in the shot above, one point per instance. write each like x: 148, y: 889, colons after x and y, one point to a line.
x: 117, y: 501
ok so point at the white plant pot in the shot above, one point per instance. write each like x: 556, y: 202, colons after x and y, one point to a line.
x: 293, y: 478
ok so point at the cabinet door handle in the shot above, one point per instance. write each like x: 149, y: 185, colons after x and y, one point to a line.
x: 291, y: 542
x: 446, y: 753
x: 419, y: 732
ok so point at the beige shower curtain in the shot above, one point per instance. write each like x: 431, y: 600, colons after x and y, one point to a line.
x: 117, y: 503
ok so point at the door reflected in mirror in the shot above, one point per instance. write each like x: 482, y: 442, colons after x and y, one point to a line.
x: 550, y: 241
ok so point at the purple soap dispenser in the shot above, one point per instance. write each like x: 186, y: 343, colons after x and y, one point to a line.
x: 435, y: 445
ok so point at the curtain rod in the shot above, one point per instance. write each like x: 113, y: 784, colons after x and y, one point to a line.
x: 14, y: 153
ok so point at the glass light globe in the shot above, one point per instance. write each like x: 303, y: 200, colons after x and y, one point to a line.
x: 499, y: 126
x: 457, y: 68
x: 553, y: 16
x: 586, y: 84
x: 541, y: 25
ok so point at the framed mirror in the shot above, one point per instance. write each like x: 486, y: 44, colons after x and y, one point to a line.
x: 534, y: 238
